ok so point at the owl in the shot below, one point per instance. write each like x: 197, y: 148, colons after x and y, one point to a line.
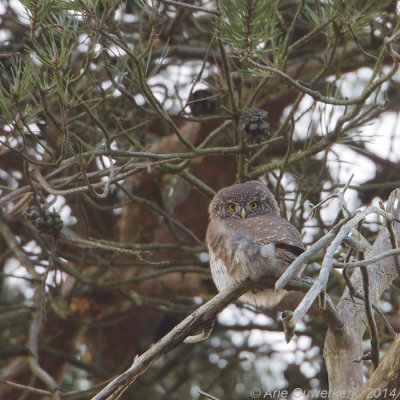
x: 248, y: 239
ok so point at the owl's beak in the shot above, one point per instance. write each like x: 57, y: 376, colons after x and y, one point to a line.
x: 243, y: 213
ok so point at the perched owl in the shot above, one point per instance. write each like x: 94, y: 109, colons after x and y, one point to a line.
x: 247, y: 239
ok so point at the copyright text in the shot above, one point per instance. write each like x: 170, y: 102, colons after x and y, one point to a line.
x: 298, y: 393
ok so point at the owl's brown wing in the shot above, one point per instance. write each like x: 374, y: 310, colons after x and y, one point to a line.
x: 271, y: 228
x: 243, y: 244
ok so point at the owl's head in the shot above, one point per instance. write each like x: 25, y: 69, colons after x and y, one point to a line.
x: 243, y: 200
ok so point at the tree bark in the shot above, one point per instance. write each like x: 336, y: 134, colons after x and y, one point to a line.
x: 384, y: 383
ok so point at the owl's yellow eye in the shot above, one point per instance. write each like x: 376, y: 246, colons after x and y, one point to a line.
x: 231, y: 206
x: 254, y: 205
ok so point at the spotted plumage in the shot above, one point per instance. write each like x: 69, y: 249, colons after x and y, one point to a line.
x: 248, y: 239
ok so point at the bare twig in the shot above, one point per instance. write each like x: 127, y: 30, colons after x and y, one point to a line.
x: 44, y: 278
x: 209, y: 396
x: 329, y: 100
x: 33, y: 358
x: 26, y: 388
x: 393, y: 241
x: 368, y: 261
x: 190, y: 6
x: 328, y: 261
x: 304, y: 257
x: 373, y: 330
x: 97, y: 245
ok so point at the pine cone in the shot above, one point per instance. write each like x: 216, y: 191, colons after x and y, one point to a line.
x: 203, y: 102
x: 253, y: 123
x: 45, y: 221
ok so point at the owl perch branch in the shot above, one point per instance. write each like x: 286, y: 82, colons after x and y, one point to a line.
x: 190, y: 324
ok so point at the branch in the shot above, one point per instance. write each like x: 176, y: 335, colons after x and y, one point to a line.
x: 372, y: 86
x: 384, y: 382
x: 33, y: 358
x: 25, y: 388
x: 305, y: 256
x: 328, y: 261
x: 341, y: 350
x: 368, y: 261
x: 190, y: 6
x: 373, y: 330
x: 198, y: 318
